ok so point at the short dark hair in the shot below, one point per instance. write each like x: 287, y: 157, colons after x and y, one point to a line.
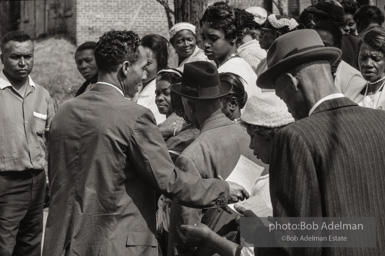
x: 159, y: 45
x: 115, y: 47
x: 220, y: 16
x: 16, y: 35
x: 267, y: 133
x: 245, y: 23
x: 350, y: 7
x: 374, y: 38
x: 332, y: 28
x: 238, y: 89
x: 86, y: 46
x: 367, y: 15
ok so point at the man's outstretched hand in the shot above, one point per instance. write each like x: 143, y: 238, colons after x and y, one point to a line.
x: 237, y: 192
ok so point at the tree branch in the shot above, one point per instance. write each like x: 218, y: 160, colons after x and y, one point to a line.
x: 166, y: 6
x: 280, y: 9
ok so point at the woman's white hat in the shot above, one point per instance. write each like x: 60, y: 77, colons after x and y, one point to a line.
x: 181, y: 26
x: 260, y: 14
x: 266, y: 109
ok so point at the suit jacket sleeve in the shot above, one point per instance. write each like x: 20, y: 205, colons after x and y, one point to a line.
x: 294, y: 185
x: 182, y: 215
x: 151, y: 160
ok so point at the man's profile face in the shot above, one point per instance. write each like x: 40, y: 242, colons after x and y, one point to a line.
x: 188, y: 112
x: 294, y: 99
x: 17, y: 58
x: 134, y: 78
x: 86, y: 64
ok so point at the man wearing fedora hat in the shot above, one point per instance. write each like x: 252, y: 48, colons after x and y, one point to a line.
x: 329, y: 163
x: 215, y: 152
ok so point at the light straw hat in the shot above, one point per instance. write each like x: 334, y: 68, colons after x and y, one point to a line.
x: 266, y: 109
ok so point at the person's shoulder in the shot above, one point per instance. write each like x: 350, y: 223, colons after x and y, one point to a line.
x: 346, y: 68
x: 41, y: 89
x: 200, y: 55
x: 239, y: 66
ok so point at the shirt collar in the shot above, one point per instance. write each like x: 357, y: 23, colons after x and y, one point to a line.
x: 329, y: 97
x: 4, y: 82
x: 111, y: 86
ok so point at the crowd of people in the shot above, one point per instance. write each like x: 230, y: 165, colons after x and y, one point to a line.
x: 137, y: 161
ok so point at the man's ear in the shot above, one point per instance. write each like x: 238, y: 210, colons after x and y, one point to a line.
x: 233, y: 103
x: 126, y: 66
x: 292, y: 81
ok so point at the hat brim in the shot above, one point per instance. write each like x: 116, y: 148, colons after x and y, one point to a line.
x: 224, y: 90
x: 266, y: 79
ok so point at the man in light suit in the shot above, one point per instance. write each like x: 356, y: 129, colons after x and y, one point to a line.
x: 330, y: 162
x: 107, y: 158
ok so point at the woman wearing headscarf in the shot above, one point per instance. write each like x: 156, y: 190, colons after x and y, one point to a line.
x: 183, y: 39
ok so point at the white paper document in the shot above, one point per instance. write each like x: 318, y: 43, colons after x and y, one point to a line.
x: 245, y: 173
x: 257, y: 205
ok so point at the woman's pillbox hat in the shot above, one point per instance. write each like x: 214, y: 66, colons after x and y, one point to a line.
x: 266, y: 109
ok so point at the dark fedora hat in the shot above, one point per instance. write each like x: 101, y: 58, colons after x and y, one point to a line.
x: 200, y: 80
x: 330, y: 10
x: 294, y: 49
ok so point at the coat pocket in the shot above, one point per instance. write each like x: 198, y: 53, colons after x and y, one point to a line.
x: 40, y: 120
x: 141, y: 239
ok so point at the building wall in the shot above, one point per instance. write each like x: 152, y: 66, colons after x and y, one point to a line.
x: 4, y: 21
x: 96, y: 17
x: 43, y: 17
x: 61, y: 17
x: 28, y: 12
x: 243, y: 4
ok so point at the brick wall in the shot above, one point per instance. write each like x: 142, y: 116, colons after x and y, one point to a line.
x: 96, y: 17
x: 289, y: 6
x: 243, y: 4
